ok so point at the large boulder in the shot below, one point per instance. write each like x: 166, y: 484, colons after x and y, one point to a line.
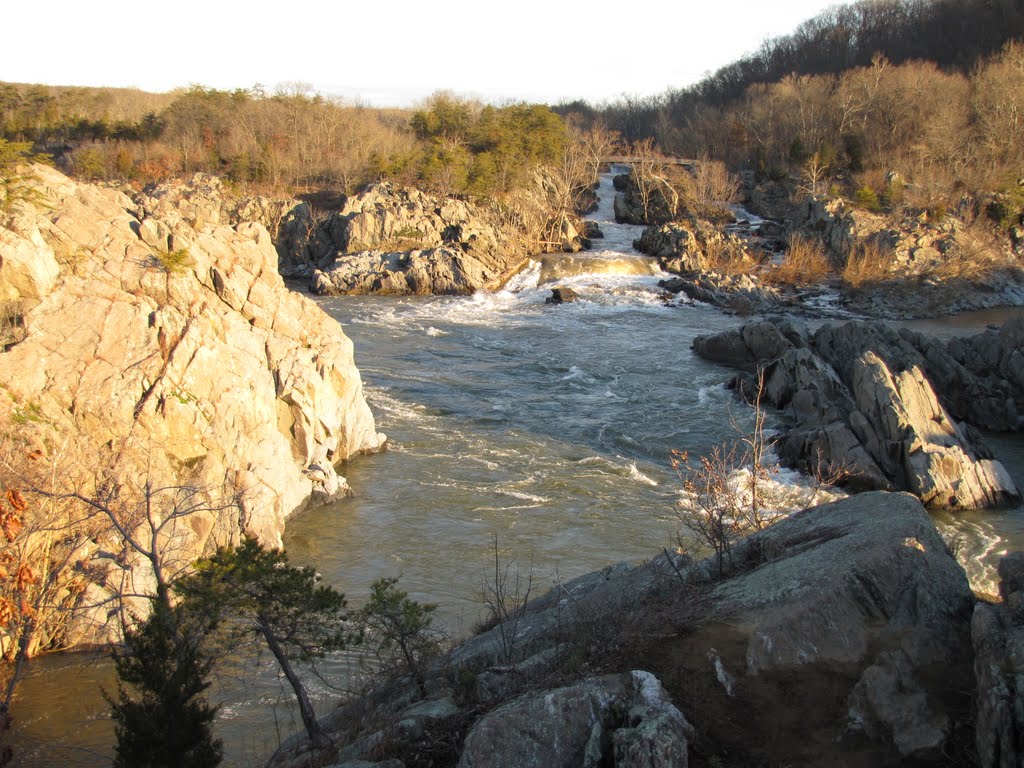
x: 864, y: 587
x: 204, y: 200
x: 739, y: 293
x: 998, y: 634
x: 389, y: 239
x: 28, y: 265
x: 428, y: 271
x: 876, y: 406
x: 694, y: 245
x: 907, y: 431
x: 628, y: 718
x: 839, y: 636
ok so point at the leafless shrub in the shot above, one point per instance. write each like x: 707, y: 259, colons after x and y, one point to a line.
x: 725, y: 494
x: 505, y: 592
x: 713, y: 187
x: 805, y: 263
x: 12, y: 323
x: 869, y: 262
x: 728, y: 255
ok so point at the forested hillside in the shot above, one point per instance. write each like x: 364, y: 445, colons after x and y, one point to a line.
x: 893, y: 104
x: 954, y: 34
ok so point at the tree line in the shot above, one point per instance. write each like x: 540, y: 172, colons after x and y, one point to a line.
x: 943, y: 133
x: 954, y: 34
x: 290, y: 140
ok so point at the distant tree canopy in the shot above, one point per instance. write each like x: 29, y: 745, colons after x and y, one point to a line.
x: 470, y: 148
x: 953, y: 34
x: 929, y: 93
x: 290, y: 139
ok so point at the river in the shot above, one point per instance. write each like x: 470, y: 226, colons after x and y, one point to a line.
x: 547, y: 426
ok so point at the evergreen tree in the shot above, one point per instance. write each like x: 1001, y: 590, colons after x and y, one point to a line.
x: 283, y: 605
x: 398, y: 628
x: 162, y: 719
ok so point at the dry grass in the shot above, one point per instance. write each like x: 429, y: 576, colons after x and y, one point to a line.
x: 806, y: 263
x: 728, y: 256
x: 870, y: 262
x: 979, y: 252
x: 12, y: 323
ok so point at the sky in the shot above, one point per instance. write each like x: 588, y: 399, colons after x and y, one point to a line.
x: 393, y: 53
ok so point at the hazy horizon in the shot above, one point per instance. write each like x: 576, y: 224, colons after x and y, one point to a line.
x: 541, y: 52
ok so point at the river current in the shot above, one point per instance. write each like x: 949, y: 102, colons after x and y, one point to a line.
x: 548, y: 427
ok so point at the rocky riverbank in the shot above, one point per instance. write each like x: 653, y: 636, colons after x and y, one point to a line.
x: 886, y: 408
x: 804, y: 650
x: 390, y: 240
x: 147, y: 341
x: 898, y: 265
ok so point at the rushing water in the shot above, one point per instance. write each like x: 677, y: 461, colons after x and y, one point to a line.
x: 549, y: 427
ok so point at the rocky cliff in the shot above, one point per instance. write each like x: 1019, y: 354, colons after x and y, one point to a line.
x: 997, y: 631
x: 154, y: 334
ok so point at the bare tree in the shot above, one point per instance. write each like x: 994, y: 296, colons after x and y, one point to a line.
x: 653, y: 180
x: 44, y: 573
x: 505, y: 593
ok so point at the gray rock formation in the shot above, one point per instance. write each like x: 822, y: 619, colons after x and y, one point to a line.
x: 998, y: 635
x: 392, y: 240
x: 839, y: 636
x: 203, y: 201
x: 396, y: 241
x: 177, y: 348
x: 562, y: 296
x: 629, y: 203
x: 430, y: 271
x: 692, y: 246
x: 628, y: 715
x: 859, y: 399
x: 743, y: 294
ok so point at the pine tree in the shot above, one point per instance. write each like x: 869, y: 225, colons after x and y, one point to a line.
x: 162, y: 719
x: 283, y: 605
x: 398, y: 628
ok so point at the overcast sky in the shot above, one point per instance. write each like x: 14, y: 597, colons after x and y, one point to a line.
x: 391, y: 53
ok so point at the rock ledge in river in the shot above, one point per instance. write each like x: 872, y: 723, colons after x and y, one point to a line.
x: 859, y: 401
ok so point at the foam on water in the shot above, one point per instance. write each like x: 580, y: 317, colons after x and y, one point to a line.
x: 640, y: 477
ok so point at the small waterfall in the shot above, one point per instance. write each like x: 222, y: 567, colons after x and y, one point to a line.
x: 554, y: 268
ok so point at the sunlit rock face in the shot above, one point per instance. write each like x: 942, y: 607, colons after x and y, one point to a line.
x: 173, y: 339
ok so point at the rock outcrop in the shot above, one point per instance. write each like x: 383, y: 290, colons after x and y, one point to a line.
x: 174, y: 346
x: 203, y: 201
x: 927, y: 265
x: 695, y: 245
x: 442, y: 271
x: 391, y: 240
x: 997, y: 631
x: 839, y: 636
x: 859, y: 400
x: 743, y: 294
x: 650, y: 205
x: 628, y: 716
x: 388, y: 240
